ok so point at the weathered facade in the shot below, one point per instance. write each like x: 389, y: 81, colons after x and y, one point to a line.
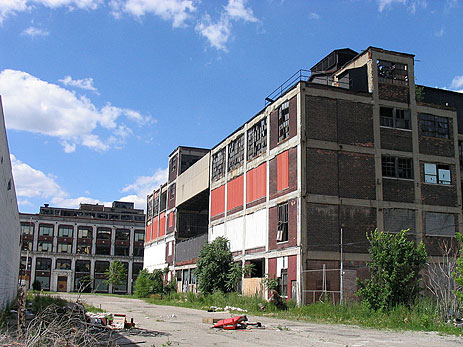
x: 9, y: 223
x: 66, y: 248
x: 333, y: 155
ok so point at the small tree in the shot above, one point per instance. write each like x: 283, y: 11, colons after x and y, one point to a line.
x: 235, y: 275
x: 116, y: 273
x: 394, y: 270
x: 149, y: 283
x: 213, y: 266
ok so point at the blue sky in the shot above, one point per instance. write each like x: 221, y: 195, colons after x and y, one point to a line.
x: 97, y: 94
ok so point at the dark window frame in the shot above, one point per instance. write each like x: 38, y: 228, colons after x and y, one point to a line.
x: 257, y: 139
x: 283, y: 121
x: 392, y: 72
x: 437, y: 176
x: 398, y: 118
x: 236, y: 153
x: 283, y: 224
x: 218, y: 164
x: 434, y: 126
x: 397, y: 167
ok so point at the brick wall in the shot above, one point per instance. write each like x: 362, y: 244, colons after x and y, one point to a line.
x: 356, y: 222
x: 357, y: 175
x: 171, y: 196
x: 321, y: 118
x: 292, y: 226
x: 398, y: 140
x: 393, y: 92
x: 322, y: 172
x: 355, y: 123
x: 322, y: 227
x: 171, y: 222
x: 173, y: 173
x: 437, y: 194
x: 398, y: 190
x: 437, y: 146
x: 435, y: 244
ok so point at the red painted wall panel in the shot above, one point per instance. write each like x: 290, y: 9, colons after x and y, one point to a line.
x: 256, y: 183
x: 235, y: 193
x: 283, y: 170
x: 292, y: 272
x: 148, y: 233
x: 218, y: 201
x: 155, y: 228
x: 171, y: 220
x: 162, y: 224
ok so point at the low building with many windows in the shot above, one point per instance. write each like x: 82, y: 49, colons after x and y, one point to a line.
x: 71, y: 249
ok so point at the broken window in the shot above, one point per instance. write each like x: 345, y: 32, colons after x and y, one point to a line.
x: 65, y: 231
x: 397, y: 167
x: 122, y: 234
x: 139, y: 236
x: 236, y: 153
x: 163, y: 202
x: 394, y: 117
x: 173, y: 165
x: 121, y: 250
x: 64, y: 248
x: 84, y: 232
x: 103, y: 234
x: 391, y: 72
x: 63, y: 264
x: 44, y: 246
x: 27, y: 229
x: 155, y: 205
x: 283, y: 282
x: 82, y: 266
x: 84, y: 249
x: 282, y: 230
x: 434, y: 126
x: 257, y: 139
x: 46, y: 230
x: 218, y: 164
x: 149, y: 207
x: 283, y: 121
x: 437, y: 174
x: 172, y: 192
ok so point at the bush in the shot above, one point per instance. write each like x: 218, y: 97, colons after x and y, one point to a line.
x: 149, y: 283
x: 213, y: 266
x: 394, y: 271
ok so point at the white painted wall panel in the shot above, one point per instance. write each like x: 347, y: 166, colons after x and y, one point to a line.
x: 216, y: 231
x: 234, y: 234
x: 155, y: 256
x: 256, y: 229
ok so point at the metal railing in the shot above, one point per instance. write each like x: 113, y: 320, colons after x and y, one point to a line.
x: 301, y: 75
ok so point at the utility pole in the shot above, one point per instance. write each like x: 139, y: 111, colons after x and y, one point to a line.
x: 341, y: 296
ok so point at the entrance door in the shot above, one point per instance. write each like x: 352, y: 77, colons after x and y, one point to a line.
x: 62, y: 283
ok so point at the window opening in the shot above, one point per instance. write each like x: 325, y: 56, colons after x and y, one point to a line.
x: 282, y: 230
x: 437, y: 174
x: 397, y: 167
x: 395, y: 118
x: 391, y: 72
x: 218, y: 164
x: 434, y: 126
x: 283, y: 121
x: 257, y: 139
x: 236, y: 153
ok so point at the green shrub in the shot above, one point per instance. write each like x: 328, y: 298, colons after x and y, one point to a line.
x: 149, y: 283
x: 394, y: 271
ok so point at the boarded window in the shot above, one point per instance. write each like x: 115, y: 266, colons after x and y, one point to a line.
x: 437, y: 174
x: 397, y: 219
x: 440, y: 224
x: 283, y: 171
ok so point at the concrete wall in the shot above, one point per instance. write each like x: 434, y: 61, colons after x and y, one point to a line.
x: 193, y: 181
x: 155, y: 256
x: 9, y: 224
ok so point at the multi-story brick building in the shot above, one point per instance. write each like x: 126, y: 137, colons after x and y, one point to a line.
x: 348, y: 147
x: 62, y: 246
x: 9, y: 224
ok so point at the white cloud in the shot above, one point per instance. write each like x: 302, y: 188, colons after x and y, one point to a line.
x: 236, y: 9
x: 37, y: 106
x: 32, y: 183
x: 143, y: 186
x: 84, y: 83
x: 178, y: 11
x: 457, y: 84
x: 10, y: 7
x: 411, y: 4
x: 33, y: 32
x: 313, y: 15
x: 216, y: 33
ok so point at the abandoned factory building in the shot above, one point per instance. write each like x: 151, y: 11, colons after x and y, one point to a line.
x: 9, y: 224
x: 71, y: 249
x: 347, y: 147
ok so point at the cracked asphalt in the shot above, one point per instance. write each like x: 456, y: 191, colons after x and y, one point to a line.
x: 177, y: 326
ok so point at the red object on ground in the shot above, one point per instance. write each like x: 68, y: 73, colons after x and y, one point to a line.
x: 230, y: 323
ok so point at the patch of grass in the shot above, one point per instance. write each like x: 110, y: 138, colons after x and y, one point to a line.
x: 41, y: 301
x: 422, y: 317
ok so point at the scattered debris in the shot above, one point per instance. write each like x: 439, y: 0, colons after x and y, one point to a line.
x: 226, y: 308
x: 233, y: 323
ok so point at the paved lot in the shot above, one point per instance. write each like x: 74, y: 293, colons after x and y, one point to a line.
x: 176, y: 326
